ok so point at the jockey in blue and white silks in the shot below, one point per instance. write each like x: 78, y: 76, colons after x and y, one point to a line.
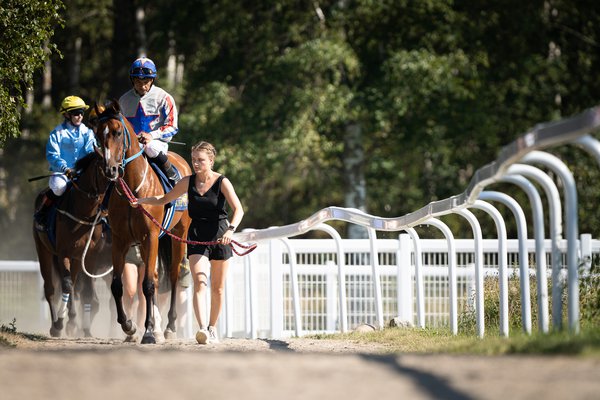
x: 152, y: 112
x: 68, y: 142
x: 66, y: 145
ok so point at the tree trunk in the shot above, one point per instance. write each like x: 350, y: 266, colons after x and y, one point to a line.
x: 354, y: 176
x: 124, y: 46
x: 75, y: 67
x: 46, y: 85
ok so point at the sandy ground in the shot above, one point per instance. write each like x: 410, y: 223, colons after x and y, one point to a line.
x: 102, y: 369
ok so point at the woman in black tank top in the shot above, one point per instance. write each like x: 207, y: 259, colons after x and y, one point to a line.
x: 209, y: 193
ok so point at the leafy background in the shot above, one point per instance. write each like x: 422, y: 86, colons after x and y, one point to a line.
x: 433, y: 89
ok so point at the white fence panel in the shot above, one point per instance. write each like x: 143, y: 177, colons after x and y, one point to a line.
x: 259, y: 293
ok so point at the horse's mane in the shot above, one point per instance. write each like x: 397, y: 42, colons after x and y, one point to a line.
x: 84, y: 163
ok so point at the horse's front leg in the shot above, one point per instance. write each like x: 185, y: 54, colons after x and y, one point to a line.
x: 150, y: 255
x: 67, y: 290
x: 178, y: 254
x: 46, y: 268
x: 73, y: 326
x: 116, y: 287
x: 90, y: 303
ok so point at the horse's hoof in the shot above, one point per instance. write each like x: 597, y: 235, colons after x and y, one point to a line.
x: 131, y: 339
x: 159, y: 337
x: 170, y: 334
x: 71, y: 330
x: 148, y: 338
x: 55, y: 332
x: 58, y: 324
x: 131, y: 329
x: 87, y: 333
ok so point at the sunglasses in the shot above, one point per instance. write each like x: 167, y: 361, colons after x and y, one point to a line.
x: 142, y: 71
x: 76, y: 112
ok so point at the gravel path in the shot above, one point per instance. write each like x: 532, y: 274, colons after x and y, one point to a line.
x: 102, y: 369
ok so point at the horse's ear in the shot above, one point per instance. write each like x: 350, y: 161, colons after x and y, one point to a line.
x: 114, y: 104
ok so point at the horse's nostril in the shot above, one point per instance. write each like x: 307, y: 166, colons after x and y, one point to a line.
x: 111, y: 171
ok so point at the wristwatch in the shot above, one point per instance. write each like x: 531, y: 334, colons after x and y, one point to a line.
x: 231, y: 228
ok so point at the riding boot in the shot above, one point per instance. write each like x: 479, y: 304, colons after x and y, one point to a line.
x: 41, y: 214
x: 173, y: 176
x: 165, y: 165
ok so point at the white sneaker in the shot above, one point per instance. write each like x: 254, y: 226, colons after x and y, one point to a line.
x: 202, y: 336
x: 213, y: 336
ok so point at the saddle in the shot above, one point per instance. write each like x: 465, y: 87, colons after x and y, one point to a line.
x: 50, y: 222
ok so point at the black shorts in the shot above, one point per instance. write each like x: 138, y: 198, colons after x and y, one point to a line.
x: 209, y: 232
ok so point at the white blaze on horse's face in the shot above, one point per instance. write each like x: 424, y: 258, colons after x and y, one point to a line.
x: 106, y: 149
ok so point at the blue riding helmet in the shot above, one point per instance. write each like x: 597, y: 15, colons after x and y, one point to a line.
x: 142, y: 68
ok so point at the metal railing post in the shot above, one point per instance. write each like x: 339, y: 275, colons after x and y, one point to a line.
x: 554, y: 205
x: 523, y: 258
x: 295, y: 287
x: 451, y: 271
x: 341, y: 274
x: 540, y: 253
x: 572, y: 223
x: 502, y: 262
x: 376, y: 277
x: 479, y: 295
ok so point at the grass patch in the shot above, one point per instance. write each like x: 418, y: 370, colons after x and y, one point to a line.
x: 9, y: 334
x: 415, y: 340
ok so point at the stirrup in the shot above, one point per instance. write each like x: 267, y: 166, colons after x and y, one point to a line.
x: 173, y: 176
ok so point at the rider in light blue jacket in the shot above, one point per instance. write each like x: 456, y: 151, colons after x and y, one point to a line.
x: 68, y: 142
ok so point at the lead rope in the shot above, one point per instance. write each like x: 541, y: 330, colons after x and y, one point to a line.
x: 132, y: 199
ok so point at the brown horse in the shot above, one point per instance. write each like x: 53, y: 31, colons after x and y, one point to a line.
x: 76, y: 219
x: 124, y: 163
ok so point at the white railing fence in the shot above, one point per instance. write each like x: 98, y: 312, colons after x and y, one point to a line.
x: 513, y: 165
x: 260, y: 286
x: 260, y: 295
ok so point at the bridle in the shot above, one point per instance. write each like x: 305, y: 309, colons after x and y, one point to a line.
x: 95, y: 195
x: 96, y: 184
x: 103, y: 151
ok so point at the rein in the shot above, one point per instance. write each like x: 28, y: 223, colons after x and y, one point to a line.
x: 78, y: 220
x: 89, y: 195
x: 127, y: 144
x: 133, y: 199
x: 85, y: 250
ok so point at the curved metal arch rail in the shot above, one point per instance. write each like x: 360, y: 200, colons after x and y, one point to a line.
x: 525, y: 149
x: 542, y: 136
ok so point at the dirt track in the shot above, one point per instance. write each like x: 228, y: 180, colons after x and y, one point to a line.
x: 95, y: 369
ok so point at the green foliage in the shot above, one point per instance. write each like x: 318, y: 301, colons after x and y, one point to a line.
x: 26, y: 26
x: 439, y: 340
x: 589, y: 299
x: 25, y: 158
x: 437, y: 87
x: 589, y: 294
x: 491, y: 313
x: 11, y: 328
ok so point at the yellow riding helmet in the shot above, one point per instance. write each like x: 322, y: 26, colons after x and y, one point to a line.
x: 71, y: 103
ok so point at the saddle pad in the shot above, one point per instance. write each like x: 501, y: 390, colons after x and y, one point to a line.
x: 182, y: 202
